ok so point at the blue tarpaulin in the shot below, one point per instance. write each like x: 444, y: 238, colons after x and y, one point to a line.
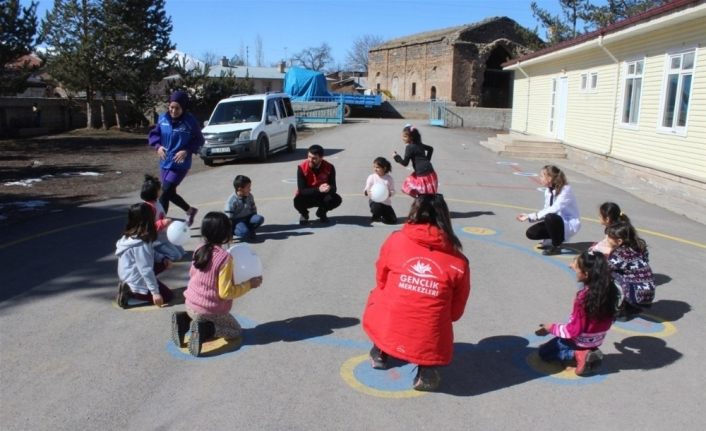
x: 305, y: 84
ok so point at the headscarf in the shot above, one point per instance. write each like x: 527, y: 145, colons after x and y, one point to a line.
x: 181, y: 98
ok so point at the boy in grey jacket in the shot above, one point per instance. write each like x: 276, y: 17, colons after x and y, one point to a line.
x: 240, y: 208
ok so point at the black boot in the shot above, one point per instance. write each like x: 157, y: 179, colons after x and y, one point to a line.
x: 180, y: 325
x: 200, y: 332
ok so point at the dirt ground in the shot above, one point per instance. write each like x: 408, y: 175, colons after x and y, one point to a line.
x: 49, y: 173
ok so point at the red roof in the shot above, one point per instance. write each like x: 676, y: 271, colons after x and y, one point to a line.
x: 634, y: 20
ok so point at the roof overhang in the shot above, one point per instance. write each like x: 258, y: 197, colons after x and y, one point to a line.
x: 604, y: 38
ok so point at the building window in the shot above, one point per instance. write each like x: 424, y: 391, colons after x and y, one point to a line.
x: 632, y: 89
x: 676, y: 91
x: 414, y: 89
x: 589, y: 81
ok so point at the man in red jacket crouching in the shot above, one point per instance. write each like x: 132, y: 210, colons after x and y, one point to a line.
x: 422, y: 284
x: 316, y: 186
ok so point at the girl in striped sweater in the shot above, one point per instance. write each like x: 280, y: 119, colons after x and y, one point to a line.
x: 590, y: 319
x: 210, y: 292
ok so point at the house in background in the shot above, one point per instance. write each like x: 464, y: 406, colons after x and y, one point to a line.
x: 459, y: 64
x: 628, y: 97
x: 264, y: 79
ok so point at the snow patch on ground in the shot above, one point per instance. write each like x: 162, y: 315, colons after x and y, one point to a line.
x: 28, y: 182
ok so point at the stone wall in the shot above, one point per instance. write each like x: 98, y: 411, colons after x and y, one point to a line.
x: 419, y: 66
x: 479, y: 118
x: 55, y: 115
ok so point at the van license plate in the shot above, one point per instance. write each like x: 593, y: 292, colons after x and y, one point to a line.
x: 220, y: 150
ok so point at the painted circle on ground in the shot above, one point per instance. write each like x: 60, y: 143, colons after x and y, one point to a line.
x: 210, y: 349
x: 525, y: 174
x: 480, y: 231
x: 555, y: 372
x: 395, y: 382
x: 646, y: 324
x: 290, y: 180
x: 508, y: 163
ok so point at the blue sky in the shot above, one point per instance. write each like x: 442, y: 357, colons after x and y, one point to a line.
x: 221, y: 27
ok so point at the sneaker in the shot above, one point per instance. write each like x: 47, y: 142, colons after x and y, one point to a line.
x: 180, y: 325
x: 378, y: 358
x: 428, y: 379
x: 200, y: 332
x: 545, y: 244
x: 552, y: 251
x: 304, y: 220
x: 123, y: 294
x: 323, y: 218
x: 191, y: 213
x: 588, y: 361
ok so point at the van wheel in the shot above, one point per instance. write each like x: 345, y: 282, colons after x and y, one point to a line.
x: 263, y: 148
x: 291, y: 142
x: 208, y: 162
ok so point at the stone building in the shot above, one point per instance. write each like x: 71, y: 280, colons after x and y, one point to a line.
x: 459, y: 64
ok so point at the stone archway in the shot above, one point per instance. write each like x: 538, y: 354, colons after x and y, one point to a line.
x: 432, y: 93
x: 496, y: 91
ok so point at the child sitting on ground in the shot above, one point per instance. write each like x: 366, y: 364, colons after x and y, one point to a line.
x: 210, y: 292
x: 241, y: 210
x: 590, y: 320
x: 609, y: 213
x: 629, y: 263
x: 381, y: 211
x: 151, y: 189
x: 138, y: 263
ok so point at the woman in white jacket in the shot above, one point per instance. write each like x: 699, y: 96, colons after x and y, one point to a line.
x: 559, y: 220
x: 138, y: 263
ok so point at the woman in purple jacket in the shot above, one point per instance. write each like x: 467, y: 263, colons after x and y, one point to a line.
x: 175, y: 137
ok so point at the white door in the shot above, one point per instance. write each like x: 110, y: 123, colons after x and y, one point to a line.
x: 562, y: 90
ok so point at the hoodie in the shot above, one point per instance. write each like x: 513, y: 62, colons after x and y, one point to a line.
x: 422, y: 285
x: 136, y: 260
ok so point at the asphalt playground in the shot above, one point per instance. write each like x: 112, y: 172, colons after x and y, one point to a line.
x: 71, y: 359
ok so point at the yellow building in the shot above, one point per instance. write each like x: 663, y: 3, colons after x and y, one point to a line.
x: 632, y: 94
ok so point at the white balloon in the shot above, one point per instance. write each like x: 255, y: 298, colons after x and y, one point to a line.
x: 379, y: 192
x: 178, y: 233
x: 246, y: 264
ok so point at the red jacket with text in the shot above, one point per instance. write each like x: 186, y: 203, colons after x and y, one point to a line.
x: 422, y: 285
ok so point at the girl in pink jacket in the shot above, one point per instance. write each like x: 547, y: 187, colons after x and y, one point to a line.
x: 422, y: 285
x: 211, y: 289
x: 590, y: 319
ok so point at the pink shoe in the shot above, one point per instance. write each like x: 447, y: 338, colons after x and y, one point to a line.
x: 191, y: 213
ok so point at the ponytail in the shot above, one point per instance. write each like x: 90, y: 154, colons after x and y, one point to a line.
x: 216, y: 230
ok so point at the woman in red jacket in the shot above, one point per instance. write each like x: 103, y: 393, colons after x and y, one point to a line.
x: 422, y: 285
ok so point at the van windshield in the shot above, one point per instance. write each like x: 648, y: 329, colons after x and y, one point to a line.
x: 243, y: 111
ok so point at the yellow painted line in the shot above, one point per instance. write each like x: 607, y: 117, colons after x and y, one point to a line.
x: 348, y: 376
x: 60, y: 229
x: 276, y: 198
x: 668, y: 327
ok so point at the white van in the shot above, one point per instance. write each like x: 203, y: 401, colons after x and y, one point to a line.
x: 253, y: 126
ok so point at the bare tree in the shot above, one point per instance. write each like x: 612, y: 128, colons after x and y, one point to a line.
x: 210, y: 58
x: 236, y: 60
x: 357, y: 58
x: 259, y: 55
x: 314, y: 58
